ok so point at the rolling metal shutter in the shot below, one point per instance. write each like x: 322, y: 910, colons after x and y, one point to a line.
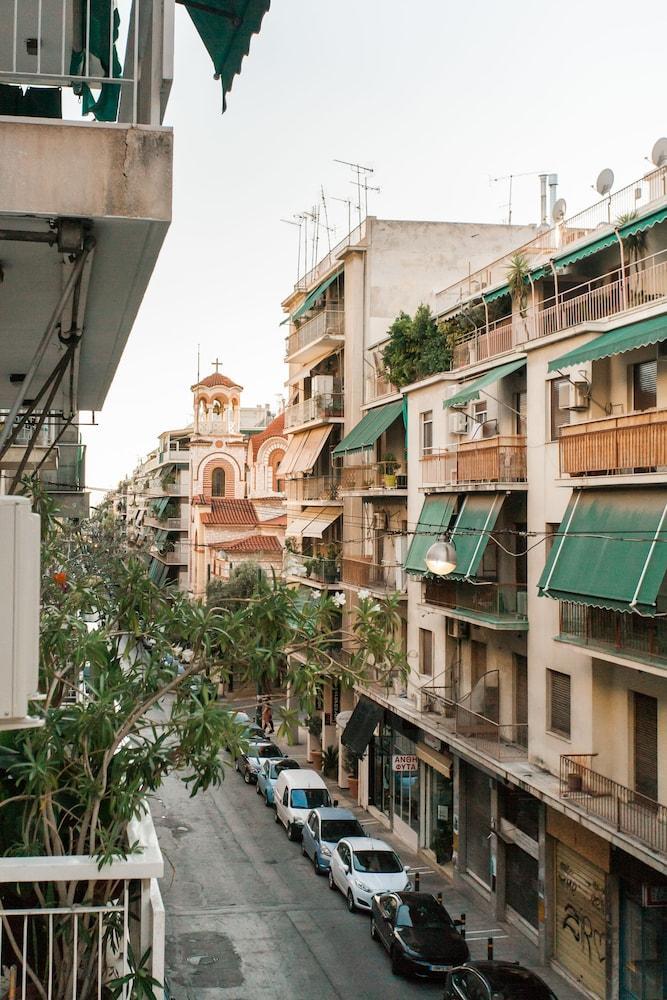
x: 478, y: 824
x: 580, y: 920
x: 559, y: 702
x: 646, y: 745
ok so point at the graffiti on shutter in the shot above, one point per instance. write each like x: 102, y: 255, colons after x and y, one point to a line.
x: 581, y: 934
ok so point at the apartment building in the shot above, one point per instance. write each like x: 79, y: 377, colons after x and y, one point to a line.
x: 535, y: 713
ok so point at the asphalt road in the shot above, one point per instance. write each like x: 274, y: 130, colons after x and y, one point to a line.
x: 247, y: 918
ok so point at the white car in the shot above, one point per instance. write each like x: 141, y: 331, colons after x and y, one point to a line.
x: 363, y: 866
x: 295, y: 794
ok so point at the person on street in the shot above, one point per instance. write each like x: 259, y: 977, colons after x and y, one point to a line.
x: 267, y: 718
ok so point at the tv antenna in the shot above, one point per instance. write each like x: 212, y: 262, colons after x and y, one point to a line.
x: 298, y: 224
x: 511, y: 178
x: 659, y: 153
x: 360, y: 171
x: 348, y: 202
x: 367, y: 187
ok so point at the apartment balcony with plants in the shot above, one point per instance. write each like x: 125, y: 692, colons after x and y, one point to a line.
x: 326, y: 403
x: 314, y: 489
x: 317, y: 322
x: 372, y: 459
x: 314, y: 562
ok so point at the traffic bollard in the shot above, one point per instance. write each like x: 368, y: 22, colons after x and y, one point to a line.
x: 463, y: 925
x: 416, y: 881
x: 439, y: 898
x: 489, y: 949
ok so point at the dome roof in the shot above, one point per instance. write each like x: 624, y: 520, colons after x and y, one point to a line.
x: 217, y: 379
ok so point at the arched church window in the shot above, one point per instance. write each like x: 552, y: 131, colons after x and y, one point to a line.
x: 218, y: 483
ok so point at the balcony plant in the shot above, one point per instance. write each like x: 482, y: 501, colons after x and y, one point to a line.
x: 634, y: 246
x: 517, y: 280
x: 314, y: 726
x: 390, y: 465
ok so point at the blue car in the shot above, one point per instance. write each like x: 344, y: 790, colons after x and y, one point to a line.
x: 268, y: 775
x: 322, y: 831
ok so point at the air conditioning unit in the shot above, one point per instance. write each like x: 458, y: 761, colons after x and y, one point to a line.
x: 322, y: 385
x: 522, y: 603
x: 458, y: 422
x: 457, y: 629
x: 574, y: 396
x: 19, y: 612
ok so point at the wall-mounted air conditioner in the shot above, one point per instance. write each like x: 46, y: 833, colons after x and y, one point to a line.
x: 322, y: 385
x: 574, y: 395
x: 19, y: 611
x: 458, y: 422
x: 457, y: 629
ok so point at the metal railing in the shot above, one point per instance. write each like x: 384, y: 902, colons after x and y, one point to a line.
x: 628, y: 635
x: 500, y: 741
x: 174, y: 554
x: 375, y: 576
x: 313, y: 488
x: 322, y: 406
x: 355, y: 235
x: 179, y: 487
x: 484, y: 343
x: 317, y: 566
x: 372, y: 476
x: 499, y: 459
x: 328, y: 322
x: 168, y: 524
x: 621, y: 808
x: 378, y: 386
x: 614, y: 445
x: 498, y: 600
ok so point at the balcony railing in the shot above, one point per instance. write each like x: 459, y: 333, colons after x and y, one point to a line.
x: 320, y: 407
x: 614, y: 445
x: 630, y: 635
x: 166, y: 524
x: 355, y: 235
x: 620, y: 808
x: 313, y: 488
x: 372, y: 476
x: 500, y: 741
x: 504, y: 601
x: 317, y: 566
x: 329, y: 322
x: 379, y: 386
x: 489, y: 460
x: 483, y: 344
x: 364, y: 573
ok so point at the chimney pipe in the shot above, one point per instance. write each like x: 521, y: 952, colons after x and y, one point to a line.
x: 543, y: 199
x: 553, y: 192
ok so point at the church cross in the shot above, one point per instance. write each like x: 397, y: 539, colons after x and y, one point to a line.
x: 217, y: 364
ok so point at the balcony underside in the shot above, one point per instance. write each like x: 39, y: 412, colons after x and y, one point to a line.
x: 316, y: 350
x: 496, y: 622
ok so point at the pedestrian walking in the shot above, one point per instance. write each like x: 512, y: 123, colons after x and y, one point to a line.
x: 267, y: 717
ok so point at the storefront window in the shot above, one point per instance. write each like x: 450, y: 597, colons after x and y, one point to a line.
x: 380, y: 770
x: 643, y: 955
x: 439, y: 819
x: 406, y: 786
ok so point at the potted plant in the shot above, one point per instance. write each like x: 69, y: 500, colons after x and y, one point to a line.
x: 390, y: 465
x: 330, y: 762
x: 352, y: 768
x: 314, y: 726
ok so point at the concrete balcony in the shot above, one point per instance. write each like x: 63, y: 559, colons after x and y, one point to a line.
x: 178, y: 556
x: 498, y: 606
x: 376, y: 478
x: 322, y: 407
x: 614, y: 446
x: 499, y: 741
x: 497, y: 459
x: 168, y: 524
x: 317, y: 567
x: 313, y: 489
x: 161, y: 488
x: 316, y: 337
x: 377, y: 387
x: 367, y: 575
x: 619, y: 635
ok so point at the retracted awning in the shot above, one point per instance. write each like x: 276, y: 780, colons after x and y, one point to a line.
x: 159, y: 506
x: 436, y: 513
x: 303, y: 451
x: 471, y: 533
x: 311, y: 299
x: 625, y: 338
x: 361, y: 726
x: 602, y: 243
x: 472, y: 389
x: 370, y: 427
x: 312, y: 523
x: 226, y: 28
x: 610, y: 550
x: 161, y: 536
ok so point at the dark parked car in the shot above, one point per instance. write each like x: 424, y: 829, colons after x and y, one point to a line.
x: 249, y: 763
x: 418, y: 933
x: 495, y: 981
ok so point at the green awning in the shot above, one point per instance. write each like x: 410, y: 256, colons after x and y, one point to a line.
x: 311, y: 299
x: 226, y: 28
x: 159, y: 506
x: 497, y: 293
x: 625, y: 338
x: 434, y: 519
x: 369, y: 428
x: 540, y: 272
x: 641, y: 225
x: 610, y: 551
x: 470, y: 536
x: 471, y: 389
x: 588, y: 250
x: 154, y: 569
x: 160, y: 536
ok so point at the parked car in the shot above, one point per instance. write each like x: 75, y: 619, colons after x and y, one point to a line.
x: 295, y: 794
x: 268, y: 775
x: 363, y: 866
x: 495, y: 981
x: 247, y: 729
x: 322, y: 831
x: 418, y: 933
x: 249, y: 762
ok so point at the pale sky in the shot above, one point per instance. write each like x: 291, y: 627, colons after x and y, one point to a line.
x: 437, y: 97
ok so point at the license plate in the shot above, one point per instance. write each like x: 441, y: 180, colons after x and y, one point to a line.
x: 439, y: 968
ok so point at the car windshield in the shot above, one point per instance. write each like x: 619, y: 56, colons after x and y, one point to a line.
x: 334, y: 829
x: 267, y: 751
x: 517, y: 984
x: 286, y: 765
x: 425, y: 913
x: 376, y: 862
x: 310, y: 798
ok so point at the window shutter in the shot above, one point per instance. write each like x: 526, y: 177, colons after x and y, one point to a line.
x: 559, y: 702
x: 646, y: 745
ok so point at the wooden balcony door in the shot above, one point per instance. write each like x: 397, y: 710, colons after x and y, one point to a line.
x: 645, y: 745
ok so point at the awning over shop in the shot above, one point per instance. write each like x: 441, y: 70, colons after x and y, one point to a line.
x: 602, y: 243
x: 434, y: 519
x: 471, y: 532
x: 312, y: 523
x: 370, y: 427
x: 625, y: 338
x: 472, y: 389
x: 226, y: 30
x: 610, y: 550
x: 361, y: 726
x: 311, y: 299
x: 160, y: 505
x: 303, y: 451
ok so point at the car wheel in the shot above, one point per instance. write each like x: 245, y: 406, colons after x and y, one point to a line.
x: 290, y: 832
x: 258, y: 790
x: 374, y: 930
x: 395, y: 966
x: 351, y: 905
x: 332, y: 884
x: 246, y: 776
x: 266, y: 802
x: 316, y: 865
x: 276, y: 817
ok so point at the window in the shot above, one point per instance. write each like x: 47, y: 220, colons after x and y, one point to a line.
x: 426, y: 652
x: 559, y: 417
x: 644, y: 379
x: 218, y: 483
x: 646, y: 744
x: 558, y: 703
x: 426, y: 421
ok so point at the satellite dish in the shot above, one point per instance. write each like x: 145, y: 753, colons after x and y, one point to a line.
x: 559, y: 210
x: 605, y: 181
x: 659, y: 152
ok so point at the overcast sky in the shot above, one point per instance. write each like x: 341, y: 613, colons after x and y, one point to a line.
x: 437, y: 97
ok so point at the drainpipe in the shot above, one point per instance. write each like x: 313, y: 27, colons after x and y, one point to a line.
x: 624, y: 294
x: 532, y: 304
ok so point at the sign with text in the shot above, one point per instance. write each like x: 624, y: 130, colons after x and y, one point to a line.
x: 404, y: 762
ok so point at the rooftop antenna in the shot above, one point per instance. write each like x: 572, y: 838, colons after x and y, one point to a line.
x: 314, y: 216
x: 326, y: 218
x: 291, y: 222
x: 360, y: 170
x: 348, y: 202
x: 367, y: 187
x: 659, y: 153
x: 510, y: 178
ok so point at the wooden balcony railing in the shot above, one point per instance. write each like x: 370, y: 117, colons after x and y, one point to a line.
x: 489, y: 460
x: 620, y: 808
x: 634, y: 636
x: 498, y: 600
x: 372, y: 476
x: 313, y: 488
x: 636, y: 442
x: 364, y: 573
x: 319, y: 407
x: 328, y: 322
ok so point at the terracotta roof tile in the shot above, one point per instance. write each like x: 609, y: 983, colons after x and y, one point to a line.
x: 230, y: 511
x: 199, y: 500
x: 275, y: 429
x: 277, y: 522
x: 217, y: 379
x: 254, y: 543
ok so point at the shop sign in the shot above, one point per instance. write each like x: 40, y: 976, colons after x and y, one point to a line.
x: 401, y: 762
x: 654, y: 895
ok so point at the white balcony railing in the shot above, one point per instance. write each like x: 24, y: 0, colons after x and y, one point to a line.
x: 320, y: 407
x: 329, y: 322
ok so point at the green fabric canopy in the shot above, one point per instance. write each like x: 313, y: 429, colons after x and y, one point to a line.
x: 642, y: 224
x: 471, y: 389
x: 588, y: 250
x: 159, y: 506
x: 310, y: 300
x: 497, y: 293
x: 540, y: 272
x: 434, y: 519
x: 369, y: 428
x: 470, y: 536
x: 611, y: 550
x: 226, y: 28
x: 625, y: 338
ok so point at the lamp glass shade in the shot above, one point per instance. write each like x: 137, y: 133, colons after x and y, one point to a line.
x: 441, y: 558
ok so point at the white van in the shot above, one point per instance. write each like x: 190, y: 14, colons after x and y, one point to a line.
x: 295, y: 794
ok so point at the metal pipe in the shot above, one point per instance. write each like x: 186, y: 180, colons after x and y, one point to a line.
x: 28, y: 236
x: 543, y: 199
x: 553, y: 190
